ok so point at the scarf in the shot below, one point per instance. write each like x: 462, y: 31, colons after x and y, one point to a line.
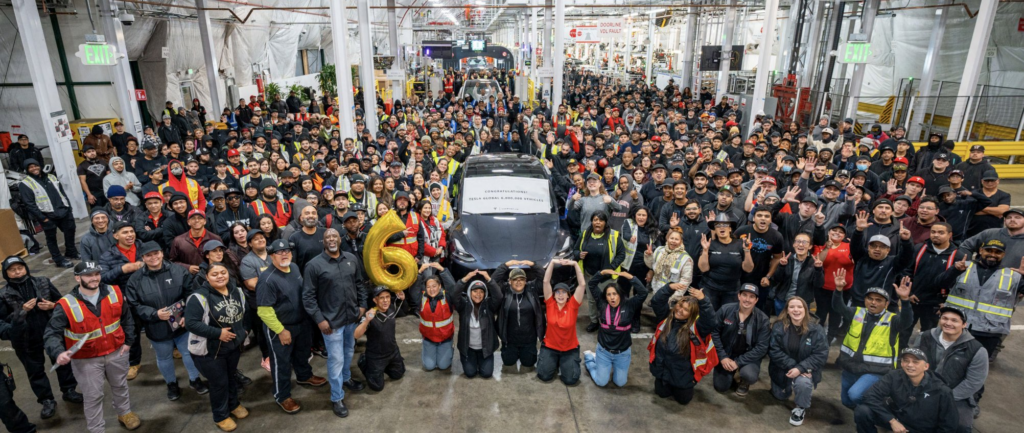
x: 664, y: 265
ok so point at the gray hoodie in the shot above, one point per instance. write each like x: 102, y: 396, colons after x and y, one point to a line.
x: 122, y: 178
x: 1014, y: 245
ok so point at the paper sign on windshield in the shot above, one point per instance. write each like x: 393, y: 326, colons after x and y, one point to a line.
x: 506, y: 194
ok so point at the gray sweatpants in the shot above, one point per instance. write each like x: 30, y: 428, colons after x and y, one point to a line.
x: 801, y: 388
x: 91, y: 374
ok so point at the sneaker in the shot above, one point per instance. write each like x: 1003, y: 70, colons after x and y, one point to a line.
x: 72, y: 396
x: 227, y: 424
x: 173, y: 391
x: 265, y: 364
x: 592, y: 327
x: 49, y: 409
x: 354, y: 385
x: 65, y: 264
x: 797, y: 416
x: 289, y: 405
x: 130, y: 421
x: 240, y: 412
x: 320, y: 351
x: 588, y: 354
x: 74, y: 256
x: 339, y: 409
x: 242, y: 379
x: 743, y: 389
x: 312, y: 381
x: 133, y: 371
x: 199, y: 386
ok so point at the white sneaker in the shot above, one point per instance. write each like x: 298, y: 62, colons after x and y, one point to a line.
x: 589, y: 353
x: 797, y: 416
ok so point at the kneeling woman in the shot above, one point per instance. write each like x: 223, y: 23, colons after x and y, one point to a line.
x: 478, y: 340
x: 215, y: 314
x: 382, y: 355
x: 798, y: 352
x: 561, y: 349
x: 615, y: 317
x: 682, y: 351
x: 430, y: 298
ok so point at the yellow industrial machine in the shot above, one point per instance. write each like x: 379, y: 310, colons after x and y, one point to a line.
x: 81, y: 128
x: 391, y: 267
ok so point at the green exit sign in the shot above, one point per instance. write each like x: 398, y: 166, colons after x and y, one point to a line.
x: 97, y: 54
x: 854, y: 52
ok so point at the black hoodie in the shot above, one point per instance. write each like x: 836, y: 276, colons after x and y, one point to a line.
x: 25, y: 326
x: 925, y: 156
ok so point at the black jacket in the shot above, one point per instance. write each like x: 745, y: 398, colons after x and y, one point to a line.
x: 609, y: 338
x: 958, y: 214
x: 225, y: 312
x: 868, y: 272
x: 791, y: 225
x: 533, y: 293
x: 222, y: 221
x: 53, y: 338
x: 149, y: 291
x: 928, y: 271
x: 671, y: 364
x: 29, y: 199
x: 334, y: 289
x: 810, y: 357
x: 758, y: 334
x: 25, y: 326
x: 928, y: 407
x: 110, y: 264
x: 460, y: 302
x: 810, y: 280
x: 18, y: 156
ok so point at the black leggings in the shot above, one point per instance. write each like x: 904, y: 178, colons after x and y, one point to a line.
x: 681, y: 395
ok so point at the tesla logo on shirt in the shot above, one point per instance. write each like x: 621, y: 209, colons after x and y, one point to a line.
x: 168, y: 280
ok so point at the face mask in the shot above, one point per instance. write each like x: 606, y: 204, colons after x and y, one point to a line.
x: 862, y: 167
x: 176, y: 171
x: 786, y: 169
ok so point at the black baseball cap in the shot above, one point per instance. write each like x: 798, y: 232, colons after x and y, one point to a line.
x: 86, y: 268
x: 957, y: 311
x: 279, y: 245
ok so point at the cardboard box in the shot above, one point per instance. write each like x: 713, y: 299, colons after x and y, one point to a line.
x: 10, y: 238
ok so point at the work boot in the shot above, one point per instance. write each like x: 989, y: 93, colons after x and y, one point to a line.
x: 72, y: 396
x: 227, y: 425
x: 49, y: 409
x: 312, y: 381
x: 173, y: 391
x: 133, y: 371
x: 241, y: 378
x: 354, y: 385
x: 240, y: 412
x: 742, y: 389
x: 199, y: 386
x: 130, y: 421
x: 290, y: 405
x: 339, y: 409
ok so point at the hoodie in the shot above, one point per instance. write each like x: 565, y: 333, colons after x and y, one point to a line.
x: 123, y: 178
x: 94, y: 244
x: 184, y: 185
x: 476, y: 321
x: 925, y: 156
x: 24, y: 326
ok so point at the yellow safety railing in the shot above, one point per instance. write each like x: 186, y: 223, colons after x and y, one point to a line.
x: 1003, y: 149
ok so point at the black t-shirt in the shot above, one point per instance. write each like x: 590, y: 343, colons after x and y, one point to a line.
x: 380, y: 335
x: 739, y: 347
x: 984, y: 222
x: 283, y: 292
x: 763, y: 247
x: 726, y: 262
x: 306, y: 246
x: 522, y: 328
x: 704, y: 199
x: 94, y: 171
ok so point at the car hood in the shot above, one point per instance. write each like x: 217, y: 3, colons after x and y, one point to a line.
x: 495, y: 239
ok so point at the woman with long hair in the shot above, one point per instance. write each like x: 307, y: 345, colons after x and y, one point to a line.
x: 797, y: 355
x: 835, y: 255
x: 600, y: 248
x: 269, y: 228
x: 616, y: 313
x: 679, y: 352
x: 433, y: 250
x: 592, y: 199
x: 238, y: 241
x: 628, y: 197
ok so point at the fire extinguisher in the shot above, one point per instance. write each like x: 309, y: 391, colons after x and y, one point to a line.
x: 259, y: 84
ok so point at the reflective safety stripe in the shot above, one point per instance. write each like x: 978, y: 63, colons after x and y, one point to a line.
x: 440, y: 324
x: 878, y: 359
x: 112, y: 297
x: 961, y: 302
x: 846, y: 350
x: 967, y: 272
x: 76, y: 308
x: 112, y: 327
x: 89, y: 336
x: 994, y: 309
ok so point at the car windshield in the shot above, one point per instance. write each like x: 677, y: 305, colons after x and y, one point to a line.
x: 499, y: 190
x: 480, y: 90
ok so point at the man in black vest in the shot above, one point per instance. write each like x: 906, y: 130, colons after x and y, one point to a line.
x: 959, y: 360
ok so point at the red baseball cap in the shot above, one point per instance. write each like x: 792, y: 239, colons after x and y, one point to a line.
x: 233, y: 152
x: 769, y: 179
x: 901, y: 160
x: 194, y: 212
x: 153, y: 194
x: 916, y: 179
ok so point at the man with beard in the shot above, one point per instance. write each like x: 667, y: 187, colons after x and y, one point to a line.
x: 24, y: 151
x: 767, y: 246
x: 334, y: 294
x: 289, y: 186
x: 118, y: 208
x: 700, y: 192
x: 270, y: 203
x: 354, y: 238
x: 726, y: 204
x: 307, y: 243
x: 100, y: 359
x: 358, y: 194
x: 91, y: 173
x: 232, y: 213
x: 46, y: 202
x: 26, y: 305
x: 286, y: 325
x: 672, y: 212
x: 412, y: 238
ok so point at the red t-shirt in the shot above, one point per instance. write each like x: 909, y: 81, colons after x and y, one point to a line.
x: 837, y: 258
x: 561, y: 329
x: 129, y: 253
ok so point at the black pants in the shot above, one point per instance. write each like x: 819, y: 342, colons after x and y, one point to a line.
x: 928, y: 315
x: 375, y: 369
x: 287, y: 357
x: 566, y: 363
x: 723, y: 378
x: 13, y: 418
x: 219, y: 371
x: 989, y: 341
x: 681, y: 395
x: 477, y: 363
x: 67, y: 226
x: 827, y: 317
x: 524, y: 353
x: 719, y: 298
x: 135, y: 352
x: 32, y: 356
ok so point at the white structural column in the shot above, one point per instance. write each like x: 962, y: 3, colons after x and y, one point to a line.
x: 545, y: 39
x: 532, y: 47
x: 626, y: 59
x: 124, y: 86
x: 343, y: 69
x: 212, y: 76
x: 689, y: 41
x: 648, y: 68
x: 558, y: 55
x: 972, y: 66
x: 857, y: 79
x: 813, y: 38
x: 928, y: 73
x: 366, y: 78
x: 764, y: 60
x: 728, y: 30
x: 37, y: 55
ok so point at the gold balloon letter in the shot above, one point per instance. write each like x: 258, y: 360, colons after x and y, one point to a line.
x: 391, y: 267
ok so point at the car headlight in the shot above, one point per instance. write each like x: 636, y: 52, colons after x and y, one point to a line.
x: 460, y: 253
x: 566, y: 250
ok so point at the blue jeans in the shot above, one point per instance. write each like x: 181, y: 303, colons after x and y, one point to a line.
x: 437, y: 355
x: 854, y: 387
x: 341, y: 344
x: 165, y: 358
x: 604, y: 365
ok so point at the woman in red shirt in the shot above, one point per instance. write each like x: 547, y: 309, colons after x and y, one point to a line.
x: 561, y: 349
x: 836, y: 255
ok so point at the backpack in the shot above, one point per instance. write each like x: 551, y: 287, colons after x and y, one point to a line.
x: 197, y: 343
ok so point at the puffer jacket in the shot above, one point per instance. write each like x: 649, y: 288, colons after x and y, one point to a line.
x: 461, y: 302
x: 93, y: 245
x: 25, y: 326
x: 810, y: 279
x: 110, y: 266
x: 148, y: 291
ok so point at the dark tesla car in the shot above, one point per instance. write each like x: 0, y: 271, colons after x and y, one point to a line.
x: 507, y: 211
